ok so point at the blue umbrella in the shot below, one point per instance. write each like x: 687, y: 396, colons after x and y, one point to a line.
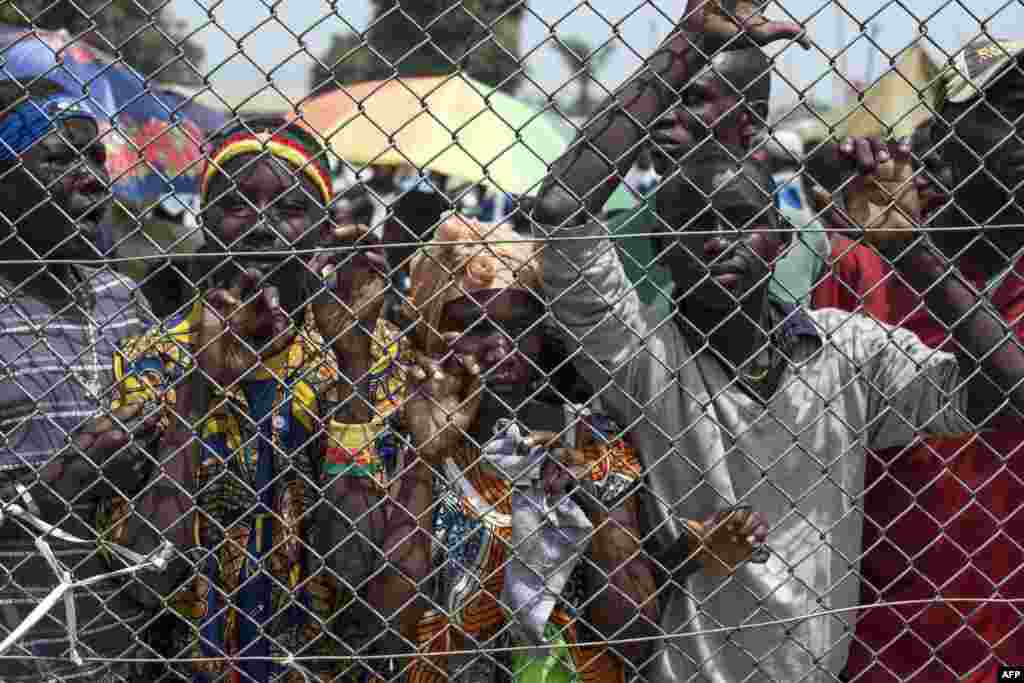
x: 153, y: 136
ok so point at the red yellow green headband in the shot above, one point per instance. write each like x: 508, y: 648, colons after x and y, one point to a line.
x: 280, y: 146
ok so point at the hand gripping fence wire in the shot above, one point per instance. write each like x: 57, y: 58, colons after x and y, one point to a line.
x: 411, y: 514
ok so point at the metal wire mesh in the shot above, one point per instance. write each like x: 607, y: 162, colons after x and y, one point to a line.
x: 416, y: 375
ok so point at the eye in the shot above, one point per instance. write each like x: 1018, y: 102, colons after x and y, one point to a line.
x: 234, y: 204
x: 62, y: 156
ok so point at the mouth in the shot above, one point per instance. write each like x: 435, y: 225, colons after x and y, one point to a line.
x: 727, y: 275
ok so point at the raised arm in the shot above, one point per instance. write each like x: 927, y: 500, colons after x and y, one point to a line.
x: 583, y: 179
x: 883, y: 202
x: 593, y: 301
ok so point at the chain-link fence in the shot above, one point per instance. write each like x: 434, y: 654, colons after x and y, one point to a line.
x: 420, y: 375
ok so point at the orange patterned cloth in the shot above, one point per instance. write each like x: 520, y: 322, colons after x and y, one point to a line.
x: 472, y: 525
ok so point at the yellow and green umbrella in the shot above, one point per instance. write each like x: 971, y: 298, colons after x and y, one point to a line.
x: 451, y: 125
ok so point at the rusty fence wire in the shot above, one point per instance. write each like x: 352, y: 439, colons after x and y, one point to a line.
x: 458, y: 365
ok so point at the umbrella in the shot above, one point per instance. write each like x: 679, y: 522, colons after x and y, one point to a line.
x: 153, y: 135
x: 902, y: 99
x: 452, y: 125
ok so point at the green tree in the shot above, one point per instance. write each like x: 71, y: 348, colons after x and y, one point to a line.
x: 429, y: 38
x: 142, y: 32
x: 584, y: 64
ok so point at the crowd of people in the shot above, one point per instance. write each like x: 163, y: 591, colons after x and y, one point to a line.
x: 548, y: 449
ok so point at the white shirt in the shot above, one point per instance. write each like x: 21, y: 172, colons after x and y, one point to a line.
x: 707, y: 444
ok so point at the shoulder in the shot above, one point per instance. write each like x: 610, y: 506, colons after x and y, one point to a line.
x: 638, y: 219
x: 170, y: 340
x: 108, y: 283
x: 837, y: 325
x: 859, y: 338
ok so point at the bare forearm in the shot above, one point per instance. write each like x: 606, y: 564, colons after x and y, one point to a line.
x: 987, y: 350
x: 625, y: 606
x: 354, y: 358
x: 396, y: 591
x: 578, y: 185
x: 164, y: 508
x: 163, y: 512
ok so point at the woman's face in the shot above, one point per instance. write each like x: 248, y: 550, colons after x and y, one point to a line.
x: 267, y: 205
x: 502, y: 330
x: 259, y: 208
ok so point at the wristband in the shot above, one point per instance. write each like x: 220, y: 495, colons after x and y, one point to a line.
x: 352, y: 449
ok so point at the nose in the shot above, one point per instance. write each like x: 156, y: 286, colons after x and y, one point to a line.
x: 715, y: 247
x: 261, y: 235
x: 723, y: 238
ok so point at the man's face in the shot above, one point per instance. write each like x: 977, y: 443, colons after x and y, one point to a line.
x: 728, y: 244
x: 58, y: 196
x: 982, y: 140
x: 710, y: 107
x: 262, y: 208
x: 934, y: 180
x: 501, y: 329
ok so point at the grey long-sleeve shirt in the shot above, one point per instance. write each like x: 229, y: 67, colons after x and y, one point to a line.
x: 706, y: 443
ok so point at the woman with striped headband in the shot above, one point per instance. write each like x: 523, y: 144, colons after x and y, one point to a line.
x: 503, y: 445
x: 284, y: 388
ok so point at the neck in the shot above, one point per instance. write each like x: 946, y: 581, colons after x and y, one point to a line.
x: 735, y: 335
x: 531, y: 414
x: 493, y: 409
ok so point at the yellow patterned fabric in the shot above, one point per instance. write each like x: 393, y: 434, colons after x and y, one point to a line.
x: 287, y: 402
x: 148, y: 367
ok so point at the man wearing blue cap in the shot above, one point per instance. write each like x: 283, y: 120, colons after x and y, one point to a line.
x: 61, y: 322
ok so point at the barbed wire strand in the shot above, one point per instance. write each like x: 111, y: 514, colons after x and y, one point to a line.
x: 522, y: 648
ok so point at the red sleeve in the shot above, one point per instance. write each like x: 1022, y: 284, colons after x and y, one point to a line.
x: 855, y: 282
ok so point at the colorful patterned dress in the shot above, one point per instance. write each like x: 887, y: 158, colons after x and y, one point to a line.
x: 256, y: 592
x: 472, y: 531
